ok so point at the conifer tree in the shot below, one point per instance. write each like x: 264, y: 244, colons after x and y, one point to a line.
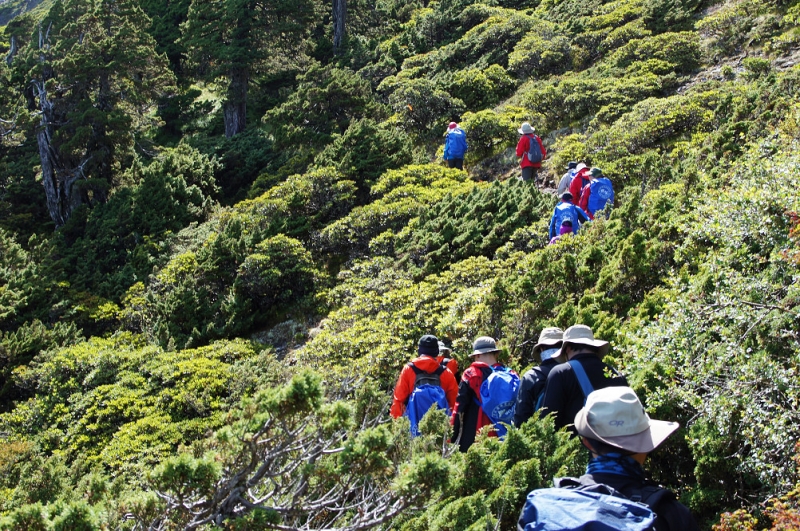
x: 234, y: 39
x: 90, y: 76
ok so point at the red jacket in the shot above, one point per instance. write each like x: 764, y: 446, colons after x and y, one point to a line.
x: 468, y: 417
x: 522, y: 151
x: 584, y: 202
x: 576, y: 186
x: 405, y: 384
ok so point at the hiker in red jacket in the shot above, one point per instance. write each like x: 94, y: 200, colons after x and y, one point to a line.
x: 581, y: 179
x: 530, y: 169
x: 428, y: 351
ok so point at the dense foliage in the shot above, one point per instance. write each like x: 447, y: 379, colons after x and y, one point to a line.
x: 221, y: 237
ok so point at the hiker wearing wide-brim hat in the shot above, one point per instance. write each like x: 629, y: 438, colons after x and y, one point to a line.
x: 578, y: 337
x: 468, y: 416
x: 570, y: 383
x: 615, y: 428
x: 533, y: 382
x: 531, y: 155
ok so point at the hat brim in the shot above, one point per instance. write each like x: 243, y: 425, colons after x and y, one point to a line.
x: 520, y: 131
x: 602, y: 346
x: 643, y: 442
x: 483, y: 351
x: 546, y: 343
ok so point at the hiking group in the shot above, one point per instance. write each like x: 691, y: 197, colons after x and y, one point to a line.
x: 583, y: 191
x: 584, y: 395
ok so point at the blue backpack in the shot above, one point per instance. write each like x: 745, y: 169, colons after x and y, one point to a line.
x: 534, y: 151
x: 595, y: 507
x: 499, y: 397
x: 427, y: 393
x: 601, y: 192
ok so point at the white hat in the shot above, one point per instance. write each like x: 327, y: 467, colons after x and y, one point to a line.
x: 582, y: 335
x: 526, y: 129
x: 615, y: 416
x: 549, y: 337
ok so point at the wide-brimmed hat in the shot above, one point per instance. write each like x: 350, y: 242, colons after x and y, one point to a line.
x: 484, y: 345
x: 572, y: 164
x: 582, y: 335
x: 615, y: 416
x: 580, y: 167
x: 444, y: 348
x: 549, y: 337
x: 428, y: 345
x: 526, y: 129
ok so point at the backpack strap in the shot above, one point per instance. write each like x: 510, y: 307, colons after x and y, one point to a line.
x: 438, y: 372
x: 583, y: 379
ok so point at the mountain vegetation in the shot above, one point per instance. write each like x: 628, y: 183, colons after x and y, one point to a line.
x: 224, y: 225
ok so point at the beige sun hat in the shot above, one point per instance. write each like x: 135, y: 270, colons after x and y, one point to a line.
x: 526, y: 129
x: 582, y: 335
x: 484, y: 345
x: 549, y: 337
x: 615, y: 416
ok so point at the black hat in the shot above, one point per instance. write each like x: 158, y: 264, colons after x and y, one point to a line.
x: 566, y: 196
x: 572, y: 164
x: 428, y: 345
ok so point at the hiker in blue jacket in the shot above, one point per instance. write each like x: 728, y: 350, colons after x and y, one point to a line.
x: 566, y: 210
x: 455, y: 145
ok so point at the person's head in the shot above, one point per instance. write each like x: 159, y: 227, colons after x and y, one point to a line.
x: 526, y: 129
x: 566, y: 197
x: 452, y: 126
x: 579, y: 339
x: 549, y: 343
x: 613, y: 420
x: 428, y: 346
x: 566, y: 226
x: 596, y: 173
x: 580, y: 166
x: 572, y: 165
x: 485, y: 349
x: 444, y: 350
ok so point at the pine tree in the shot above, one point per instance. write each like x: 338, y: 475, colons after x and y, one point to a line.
x: 90, y: 76
x: 235, y: 39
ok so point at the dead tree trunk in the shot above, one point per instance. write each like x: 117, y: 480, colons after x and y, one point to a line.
x: 57, y: 178
x: 339, y: 24
x: 235, y: 107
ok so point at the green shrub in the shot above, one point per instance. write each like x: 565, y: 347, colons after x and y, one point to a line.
x: 543, y: 51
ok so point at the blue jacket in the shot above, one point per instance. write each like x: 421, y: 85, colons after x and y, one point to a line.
x: 455, y: 144
x: 569, y: 211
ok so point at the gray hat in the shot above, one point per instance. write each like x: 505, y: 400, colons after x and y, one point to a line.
x: 484, y: 345
x: 582, y: 335
x: 549, y: 337
x: 526, y: 129
x: 615, y: 416
x: 444, y: 348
